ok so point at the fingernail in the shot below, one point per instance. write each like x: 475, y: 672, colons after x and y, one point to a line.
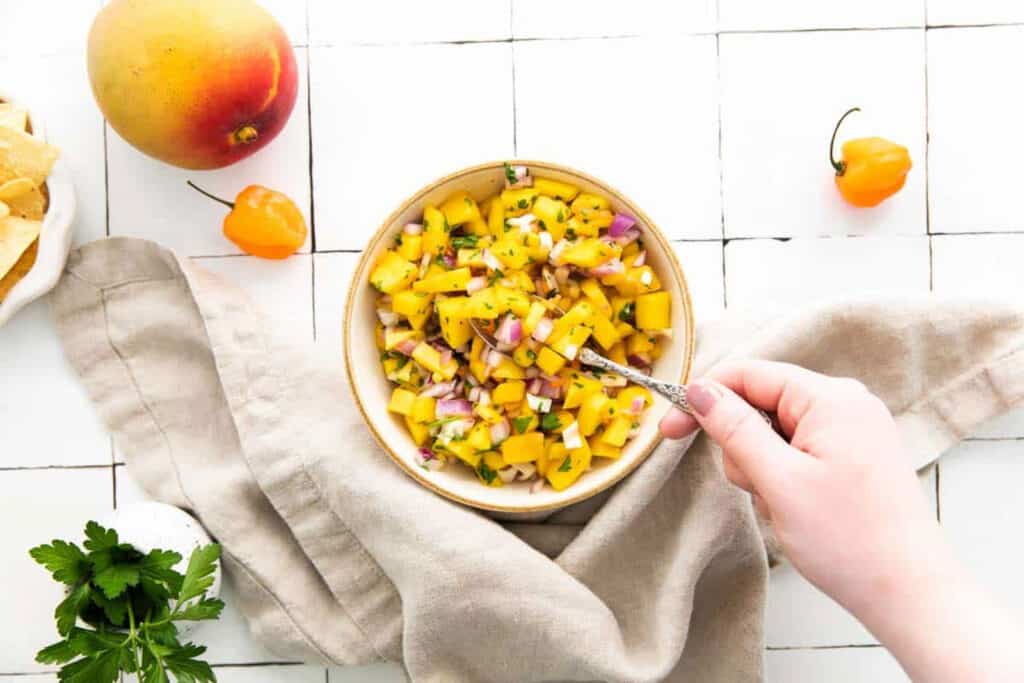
x: 702, y: 396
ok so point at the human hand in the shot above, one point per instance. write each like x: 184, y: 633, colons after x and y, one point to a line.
x: 850, y: 515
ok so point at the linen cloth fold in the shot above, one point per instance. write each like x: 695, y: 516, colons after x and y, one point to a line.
x: 341, y: 558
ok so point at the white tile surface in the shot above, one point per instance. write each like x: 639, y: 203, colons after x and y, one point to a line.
x: 376, y: 143
x: 38, y: 390
x: 971, y: 116
x: 30, y: 80
x: 947, y: 12
x: 982, y: 266
x: 397, y: 21
x: 757, y: 15
x: 804, y: 270
x: 981, y: 512
x: 656, y: 141
x: 702, y: 265
x: 150, y: 200
x: 47, y: 504
x: 848, y: 665
x: 597, y: 18
x: 374, y: 673
x: 281, y: 289
x: 781, y: 96
x: 45, y: 26
x: 333, y: 274
x: 34, y: 678
x: 271, y: 674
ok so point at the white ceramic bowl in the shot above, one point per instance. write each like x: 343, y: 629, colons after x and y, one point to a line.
x: 372, y: 389
x: 54, y: 237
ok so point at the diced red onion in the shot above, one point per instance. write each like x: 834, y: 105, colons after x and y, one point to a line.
x: 475, y: 284
x: 524, y: 222
x: 437, y: 390
x: 526, y: 470
x: 474, y: 394
x: 638, y: 360
x: 510, y: 331
x: 556, y: 251
x: 535, y: 386
x: 453, y: 407
x: 628, y: 237
x: 523, y: 178
x: 494, y: 358
x: 449, y: 259
x: 406, y: 346
x: 545, y: 240
x: 538, y: 486
x: 571, y: 436
x: 552, y: 391
x: 620, y: 224
x: 500, y: 431
x: 424, y: 264
x: 540, y: 404
x: 640, y: 259
x: 531, y: 372
x: 612, y: 267
x: 507, y: 475
x: 446, y: 356
x: 426, y: 458
x: 387, y: 317
x: 490, y: 260
x: 412, y: 229
x: 485, y: 397
x: 549, y: 279
x: 471, y: 380
x: 543, y: 329
x: 636, y: 406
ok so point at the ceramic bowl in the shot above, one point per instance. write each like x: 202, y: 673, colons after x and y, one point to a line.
x: 372, y: 390
x: 54, y: 237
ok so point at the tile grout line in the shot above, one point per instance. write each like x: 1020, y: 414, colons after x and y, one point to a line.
x: 928, y: 231
x: 721, y: 158
x: 792, y: 648
x: 515, y: 112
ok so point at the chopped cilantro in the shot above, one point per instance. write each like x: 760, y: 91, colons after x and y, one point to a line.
x: 566, y: 464
x: 542, y: 224
x: 530, y: 354
x: 561, y: 215
x: 626, y: 312
x: 523, y: 204
x: 510, y: 174
x: 398, y: 240
x: 495, y: 276
x: 464, y: 241
x: 521, y: 423
x: 577, y: 385
x: 570, y: 233
x: 550, y: 422
x: 485, y: 472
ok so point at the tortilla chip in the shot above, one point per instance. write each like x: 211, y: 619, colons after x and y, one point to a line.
x: 25, y: 156
x: 31, y: 205
x: 15, y: 188
x: 12, y: 117
x: 20, y: 270
x: 16, y: 235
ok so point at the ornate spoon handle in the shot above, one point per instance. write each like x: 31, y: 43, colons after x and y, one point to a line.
x: 675, y: 393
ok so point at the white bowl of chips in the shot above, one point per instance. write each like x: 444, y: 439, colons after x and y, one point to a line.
x: 37, y: 209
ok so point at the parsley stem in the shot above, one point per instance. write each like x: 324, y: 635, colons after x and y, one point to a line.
x: 134, y: 638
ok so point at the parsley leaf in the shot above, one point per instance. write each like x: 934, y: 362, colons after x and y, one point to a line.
x: 550, y: 422
x: 510, y: 174
x: 198, y: 576
x: 464, y: 241
x: 566, y: 464
x: 210, y: 608
x: 485, y: 472
x: 115, y: 579
x: 523, y: 204
x: 626, y: 312
x: 65, y: 561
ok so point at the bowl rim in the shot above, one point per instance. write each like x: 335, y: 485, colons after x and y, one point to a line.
x: 386, y: 227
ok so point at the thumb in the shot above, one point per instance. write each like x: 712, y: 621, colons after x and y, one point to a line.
x: 746, y: 438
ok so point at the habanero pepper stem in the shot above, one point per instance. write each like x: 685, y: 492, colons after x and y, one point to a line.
x: 840, y: 166
x: 215, y: 198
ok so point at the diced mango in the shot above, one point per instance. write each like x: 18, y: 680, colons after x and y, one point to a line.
x: 624, y: 400
x: 448, y: 281
x: 580, y: 387
x: 569, y: 345
x: 430, y: 358
x: 592, y: 290
x: 549, y: 362
x: 589, y: 252
x: 638, y: 281
x: 639, y: 343
x: 524, y: 356
x: 517, y: 202
x: 419, y: 432
x: 509, y: 392
x: 652, y: 311
x: 460, y: 208
x: 478, y: 226
x: 511, y: 301
x: 411, y: 303
x: 470, y: 258
x: 401, y: 401
x: 590, y: 201
x: 454, y: 322
x: 533, y: 316
x: 562, y: 473
x: 479, y: 437
x: 615, y: 434
x: 553, y: 216
x: 411, y: 247
x: 605, y: 333
x: 512, y: 253
x: 394, y: 337
x: 523, y: 447
x: 555, y: 188
x: 581, y: 313
x: 488, y: 413
x: 418, y: 322
x: 392, y: 273
x: 435, y: 231
x: 409, y: 376
x: 487, y: 469
x: 423, y: 409
x: 496, y: 219
x: 507, y: 369
x: 602, y: 449
x: 484, y: 304
x: 592, y: 412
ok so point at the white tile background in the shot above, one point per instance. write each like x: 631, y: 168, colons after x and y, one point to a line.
x: 714, y: 114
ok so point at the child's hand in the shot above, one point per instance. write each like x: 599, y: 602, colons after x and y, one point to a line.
x: 849, y: 513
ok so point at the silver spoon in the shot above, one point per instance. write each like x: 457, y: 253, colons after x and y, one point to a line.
x: 675, y: 393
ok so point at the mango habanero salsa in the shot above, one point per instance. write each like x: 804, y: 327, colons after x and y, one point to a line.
x: 546, y: 269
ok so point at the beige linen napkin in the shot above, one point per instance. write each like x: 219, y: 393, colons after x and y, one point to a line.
x: 341, y: 558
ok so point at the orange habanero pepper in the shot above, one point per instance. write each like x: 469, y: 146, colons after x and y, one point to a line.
x: 871, y: 169
x: 262, y: 222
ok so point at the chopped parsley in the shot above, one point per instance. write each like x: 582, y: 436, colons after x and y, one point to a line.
x: 530, y: 354
x: 570, y: 233
x: 566, y: 464
x: 561, y: 215
x: 510, y: 174
x: 523, y: 204
x: 465, y: 241
x: 626, y: 312
x: 550, y: 422
x: 495, y: 276
x: 521, y: 423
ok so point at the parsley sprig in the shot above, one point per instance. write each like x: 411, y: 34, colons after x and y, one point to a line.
x: 130, y: 601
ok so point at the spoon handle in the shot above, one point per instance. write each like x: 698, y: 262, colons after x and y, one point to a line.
x: 675, y: 393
